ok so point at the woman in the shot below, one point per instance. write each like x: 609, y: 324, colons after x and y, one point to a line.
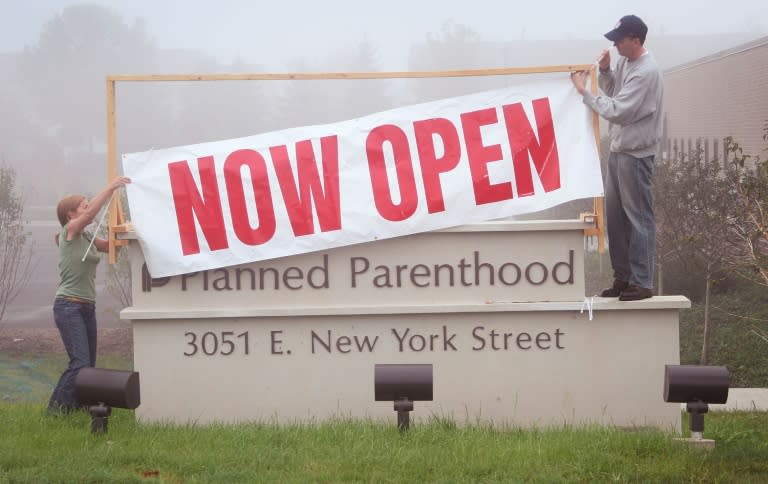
x: 74, y: 308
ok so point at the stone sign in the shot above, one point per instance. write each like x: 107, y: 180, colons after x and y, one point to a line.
x: 497, y: 308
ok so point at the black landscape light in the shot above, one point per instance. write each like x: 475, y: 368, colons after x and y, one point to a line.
x: 697, y: 386
x: 101, y: 389
x: 403, y: 384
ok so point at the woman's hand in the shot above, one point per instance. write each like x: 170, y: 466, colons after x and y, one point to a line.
x: 119, y: 182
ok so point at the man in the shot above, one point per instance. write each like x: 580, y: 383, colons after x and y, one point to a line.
x: 632, y: 104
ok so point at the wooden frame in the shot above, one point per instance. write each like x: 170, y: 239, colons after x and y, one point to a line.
x: 117, y: 222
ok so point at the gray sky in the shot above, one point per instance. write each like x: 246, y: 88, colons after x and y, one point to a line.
x: 272, y: 33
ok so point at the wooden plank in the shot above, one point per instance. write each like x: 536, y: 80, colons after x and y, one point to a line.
x: 116, y: 216
x: 598, y: 202
x: 111, y: 168
x: 309, y: 76
x: 122, y: 228
x: 120, y: 214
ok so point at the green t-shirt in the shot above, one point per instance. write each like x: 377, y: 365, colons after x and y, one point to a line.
x: 77, y: 278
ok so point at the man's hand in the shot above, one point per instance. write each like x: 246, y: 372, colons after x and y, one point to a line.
x: 579, y: 79
x: 604, y: 61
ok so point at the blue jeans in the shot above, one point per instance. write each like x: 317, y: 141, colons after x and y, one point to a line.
x: 629, y: 218
x: 77, y: 325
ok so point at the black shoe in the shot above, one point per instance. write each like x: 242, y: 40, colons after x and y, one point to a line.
x: 635, y: 293
x: 615, y: 290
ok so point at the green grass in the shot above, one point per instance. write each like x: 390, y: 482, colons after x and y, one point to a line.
x: 36, y: 447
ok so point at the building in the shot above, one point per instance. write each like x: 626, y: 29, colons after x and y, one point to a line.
x: 720, y: 95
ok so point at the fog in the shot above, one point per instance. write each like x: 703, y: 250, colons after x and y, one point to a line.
x: 55, y: 54
x: 273, y: 34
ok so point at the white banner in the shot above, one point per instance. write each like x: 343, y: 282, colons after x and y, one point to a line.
x: 429, y: 166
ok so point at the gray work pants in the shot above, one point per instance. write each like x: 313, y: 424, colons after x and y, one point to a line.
x: 630, y: 219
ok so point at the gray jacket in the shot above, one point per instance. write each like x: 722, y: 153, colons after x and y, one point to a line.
x: 632, y: 104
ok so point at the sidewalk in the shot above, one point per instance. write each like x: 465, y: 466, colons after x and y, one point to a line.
x: 744, y: 399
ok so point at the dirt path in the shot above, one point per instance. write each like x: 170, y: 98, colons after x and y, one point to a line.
x: 17, y: 341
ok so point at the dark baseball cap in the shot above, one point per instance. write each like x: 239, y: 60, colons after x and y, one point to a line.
x: 628, y: 25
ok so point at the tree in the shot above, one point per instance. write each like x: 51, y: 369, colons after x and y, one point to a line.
x: 65, y: 72
x: 750, y: 223
x: 25, y: 144
x: 355, y: 98
x: 455, y: 47
x: 119, y: 274
x: 303, y: 103
x: 119, y: 280
x: 15, y: 252
x: 210, y: 111
x: 693, y: 201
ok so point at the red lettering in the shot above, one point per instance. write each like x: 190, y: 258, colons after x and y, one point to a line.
x: 190, y: 203
x: 431, y: 165
x: 374, y: 146
x: 325, y: 195
x: 522, y: 141
x: 480, y: 155
x: 265, y: 211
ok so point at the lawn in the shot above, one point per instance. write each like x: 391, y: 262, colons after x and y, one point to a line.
x: 36, y: 447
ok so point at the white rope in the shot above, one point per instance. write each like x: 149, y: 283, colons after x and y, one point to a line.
x: 101, y: 221
x: 588, y: 304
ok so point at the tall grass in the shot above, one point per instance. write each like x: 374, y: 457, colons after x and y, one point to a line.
x: 36, y: 447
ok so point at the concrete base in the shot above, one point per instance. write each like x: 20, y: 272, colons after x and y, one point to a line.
x: 706, y: 444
